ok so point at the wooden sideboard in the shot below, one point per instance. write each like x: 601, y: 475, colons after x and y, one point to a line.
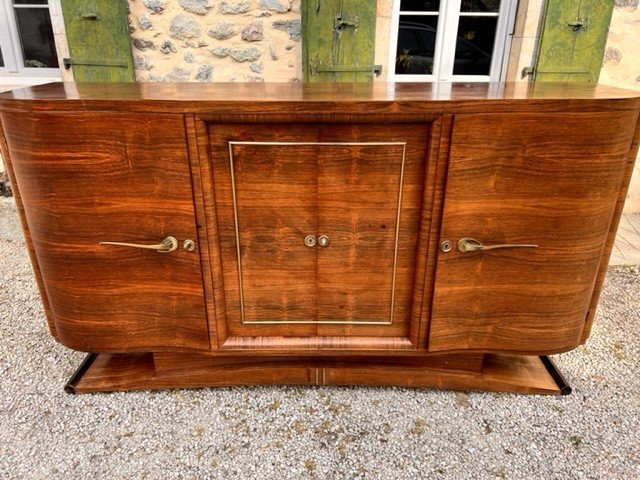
x: 429, y: 235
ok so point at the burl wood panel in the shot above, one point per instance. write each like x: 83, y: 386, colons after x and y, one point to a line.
x: 92, y: 177
x: 550, y: 180
x: 349, y: 182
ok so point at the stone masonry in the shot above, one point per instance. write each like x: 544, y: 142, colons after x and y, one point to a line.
x: 216, y: 40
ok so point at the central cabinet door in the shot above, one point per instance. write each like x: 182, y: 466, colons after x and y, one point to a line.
x: 318, y: 226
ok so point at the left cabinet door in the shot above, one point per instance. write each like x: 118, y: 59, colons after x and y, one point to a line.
x: 87, y: 178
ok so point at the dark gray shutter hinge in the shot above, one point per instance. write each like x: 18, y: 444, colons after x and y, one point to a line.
x: 528, y: 71
x: 578, y: 24
x: 90, y: 16
x: 67, y: 62
x: 563, y: 71
x: 376, y: 69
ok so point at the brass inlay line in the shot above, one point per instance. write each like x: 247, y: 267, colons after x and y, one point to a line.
x: 235, y: 218
x: 395, y: 249
x: 397, y: 233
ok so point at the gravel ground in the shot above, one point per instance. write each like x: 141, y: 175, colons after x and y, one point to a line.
x: 300, y: 433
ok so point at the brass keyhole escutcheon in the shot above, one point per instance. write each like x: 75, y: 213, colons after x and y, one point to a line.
x: 310, y: 240
x: 446, y: 246
x: 189, y: 245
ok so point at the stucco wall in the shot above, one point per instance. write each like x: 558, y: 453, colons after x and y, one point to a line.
x: 384, y: 12
x: 526, y: 34
x: 60, y: 38
x: 621, y: 65
x: 216, y: 40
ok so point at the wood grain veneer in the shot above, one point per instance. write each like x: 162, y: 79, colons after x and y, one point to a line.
x: 6, y: 158
x: 613, y: 229
x: 320, y: 98
x: 387, y: 171
x: 500, y: 373
x: 85, y: 178
x: 549, y: 180
x: 361, y: 185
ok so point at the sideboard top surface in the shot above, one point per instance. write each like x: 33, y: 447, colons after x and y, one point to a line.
x: 327, y: 98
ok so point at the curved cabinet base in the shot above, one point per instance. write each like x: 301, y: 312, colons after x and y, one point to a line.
x: 149, y: 371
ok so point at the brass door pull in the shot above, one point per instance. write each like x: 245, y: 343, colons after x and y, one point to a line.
x: 473, y: 245
x: 167, y: 245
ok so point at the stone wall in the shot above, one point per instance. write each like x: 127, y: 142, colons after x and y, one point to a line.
x: 216, y: 40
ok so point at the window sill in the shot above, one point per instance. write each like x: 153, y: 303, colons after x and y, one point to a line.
x: 22, y: 80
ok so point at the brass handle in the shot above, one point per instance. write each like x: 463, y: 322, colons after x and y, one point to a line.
x: 167, y: 245
x: 473, y: 245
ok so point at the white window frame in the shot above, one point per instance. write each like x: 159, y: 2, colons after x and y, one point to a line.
x: 446, y: 36
x: 14, y: 71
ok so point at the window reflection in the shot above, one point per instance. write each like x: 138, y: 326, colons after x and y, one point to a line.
x: 416, y: 44
x: 474, y: 47
x: 419, y: 5
x: 36, y: 38
x: 480, y: 6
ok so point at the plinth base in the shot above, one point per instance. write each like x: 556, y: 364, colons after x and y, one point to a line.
x: 150, y: 371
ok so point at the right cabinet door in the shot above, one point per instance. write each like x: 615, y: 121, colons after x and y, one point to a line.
x: 550, y: 180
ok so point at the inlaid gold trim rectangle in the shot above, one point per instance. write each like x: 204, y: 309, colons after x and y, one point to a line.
x: 237, y: 232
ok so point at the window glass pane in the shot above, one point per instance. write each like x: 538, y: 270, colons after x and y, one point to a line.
x: 416, y: 44
x: 474, y: 47
x: 419, y: 5
x: 480, y: 6
x: 36, y: 37
x: 29, y: 2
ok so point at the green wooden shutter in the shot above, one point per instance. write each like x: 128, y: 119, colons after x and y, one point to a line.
x: 99, y: 40
x: 573, y: 40
x: 338, y: 40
